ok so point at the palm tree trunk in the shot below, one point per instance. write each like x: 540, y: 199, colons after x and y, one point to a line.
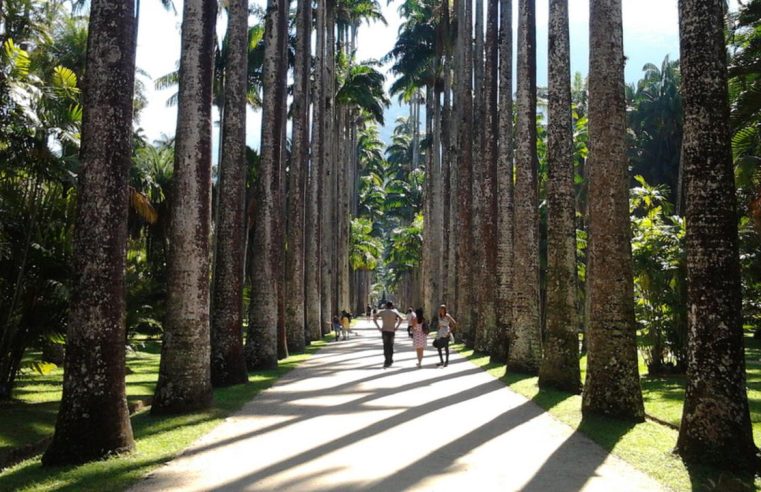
x: 296, y: 333
x: 313, y: 235
x: 505, y: 204
x: 93, y: 421
x: 184, y: 383
x: 560, y: 366
x: 488, y: 190
x: 716, y: 426
x: 464, y: 283
x: 228, y: 365
x: 526, y: 344
x: 327, y: 183
x: 612, y: 385
x: 262, y: 335
x: 478, y: 254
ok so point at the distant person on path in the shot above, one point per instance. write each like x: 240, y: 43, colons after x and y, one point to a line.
x: 391, y: 320
x: 337, y: 327
x: 419, y: 335
x: 345, y: 324
x: 410, y: 320
x: 445, y: 324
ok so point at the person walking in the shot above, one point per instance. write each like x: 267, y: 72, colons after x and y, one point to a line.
x: 410, y: 320
x: 419, y: 335
x: 391, y: 320
x: 345, y: 324
x: 445, y: 324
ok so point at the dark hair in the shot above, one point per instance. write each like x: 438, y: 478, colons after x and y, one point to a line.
x: 389, y: 305
x: 419, y: 315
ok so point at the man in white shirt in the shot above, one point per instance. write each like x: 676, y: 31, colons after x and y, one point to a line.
x: 391, y: 320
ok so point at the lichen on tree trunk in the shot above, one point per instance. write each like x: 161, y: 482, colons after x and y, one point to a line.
x: 612, y: 386
x: 716, y: 427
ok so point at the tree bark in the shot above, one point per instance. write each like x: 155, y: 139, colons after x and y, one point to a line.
x: 93, y: 420
x: 228, y: 365
x: 296, y: 332
x: 612, y: 386
x: 261, y: 343
x: 560, y: 366
x: 312, y: 233
x: 488, y: 190
x: 184, y: 383
x: 716, y: 426
x: 505, y: 192
x: 464, y: 283
x: 526, y: 344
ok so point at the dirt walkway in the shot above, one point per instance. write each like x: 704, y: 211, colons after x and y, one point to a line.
x: 342, y: 422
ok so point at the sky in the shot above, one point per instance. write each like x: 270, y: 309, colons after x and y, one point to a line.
x: 651, y: 32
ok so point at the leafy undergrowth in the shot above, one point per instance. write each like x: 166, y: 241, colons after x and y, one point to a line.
x: 647, y: 446
x: 158, y: 439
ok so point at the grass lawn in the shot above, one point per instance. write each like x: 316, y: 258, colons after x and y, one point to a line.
x: 31, y: 417
x: 647, y: 446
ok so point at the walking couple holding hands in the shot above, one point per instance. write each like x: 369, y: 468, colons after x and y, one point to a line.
x: 391, y: 319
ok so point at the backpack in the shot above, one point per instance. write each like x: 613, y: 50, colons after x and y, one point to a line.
x: 426, y: 328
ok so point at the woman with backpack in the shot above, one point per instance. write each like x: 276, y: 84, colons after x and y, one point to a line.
x: 419, y: 335
x: 445, y: 325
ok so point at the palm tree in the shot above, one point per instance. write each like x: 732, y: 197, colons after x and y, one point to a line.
x: 295, y: 321
x: 612, y: 386
x: 184, y: 383
x: 488, y: 187
x: 228, y: 366
x: 716, y: 425
x: 505, y: 205
x: 93, y: 420
x: 262, y: 335
x: 464, y: 171
x: 313, y: 236
x: 560, y: 366
x: 526, y: 344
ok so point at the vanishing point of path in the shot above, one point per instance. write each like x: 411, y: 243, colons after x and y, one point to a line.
x: 340, y: 422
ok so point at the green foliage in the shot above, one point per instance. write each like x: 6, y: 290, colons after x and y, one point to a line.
x: 366, y: 250
x: 659, y: 278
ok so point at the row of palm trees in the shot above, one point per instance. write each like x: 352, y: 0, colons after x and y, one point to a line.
x: 294, y: 231
x: 490, y: 166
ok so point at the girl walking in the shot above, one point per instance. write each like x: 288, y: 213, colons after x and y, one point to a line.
x: 446, y: 323
x: 419, y: 335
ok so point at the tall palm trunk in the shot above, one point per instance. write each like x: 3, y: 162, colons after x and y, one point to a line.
x: 505, y: 204
x: 488, y: 191
x: 464, y: 175
x: 560, y: 366
x: 327, y: 171
x: 228, y: 365
x: 312, y: 232
x: 716, y: 425
x: 296, y: 333
x: 478, y: 211
x: 184, y: 383
x: 612, y: 386
x: 261, y: 342
x: 526, y: 345
x: 93, y: 421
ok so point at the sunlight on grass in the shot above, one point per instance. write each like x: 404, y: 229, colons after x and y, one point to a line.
x: 647, y: 446
x: 159, y: 439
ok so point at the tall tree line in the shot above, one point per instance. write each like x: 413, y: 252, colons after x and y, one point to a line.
x: 532, y: 320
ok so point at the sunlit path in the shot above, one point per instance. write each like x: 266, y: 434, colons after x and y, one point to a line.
x: 342, y: 422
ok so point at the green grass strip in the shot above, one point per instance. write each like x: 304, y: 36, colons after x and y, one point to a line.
x: 647, y: 446
x: 158, y: 439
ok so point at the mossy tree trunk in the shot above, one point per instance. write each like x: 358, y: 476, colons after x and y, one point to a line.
x: 228, y: 365
x: 93, y: 420
x: 560, y: 365
x: 612, y: 386
x: 716, y: 428
x: 184, y: 383
x: 526, y: 343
